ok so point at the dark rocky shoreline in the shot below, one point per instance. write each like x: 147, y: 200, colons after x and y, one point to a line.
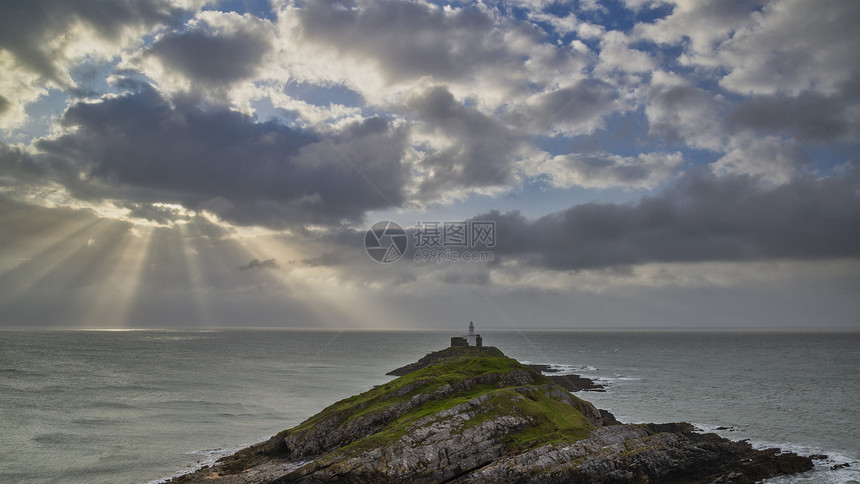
x: 571, y: 383
x: 474, y: 415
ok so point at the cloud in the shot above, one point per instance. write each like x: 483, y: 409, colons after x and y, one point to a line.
x: 17, y: 167
x: 765, y: 47
x: 141, y: 148
x: 31, y: 29
x: 807, y: 117
x: 680, y: 113
x: 603, y: 170
x: 701, y: 218
x: 388, y: 49
x: 616, y: 55
x: 791, y: 47
x: 216, y: 49
x: 328, y: 259
x: 476, y: 150
x: 160, y: 213
x: 42, y: 41
x: 407, y: 40
x: 575, y: 109
x: 477, y: 278
x: 257, y: 264
x: 773, y: 158
x: 700, y: 25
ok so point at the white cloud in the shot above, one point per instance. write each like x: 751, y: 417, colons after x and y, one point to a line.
x: 40, y: 47
x: 700, y: 24
x: 775, y: 159
x: 793, y: 46
x: 605, y: 170
x: 616, y: 54
x: 569, y: 24
x: 766, y: 47
x: 679, y: 112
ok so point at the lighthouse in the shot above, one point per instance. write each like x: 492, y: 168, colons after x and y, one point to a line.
x: 471, y: 339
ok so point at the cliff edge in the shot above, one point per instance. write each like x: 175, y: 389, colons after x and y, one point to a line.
x: 475, y: 415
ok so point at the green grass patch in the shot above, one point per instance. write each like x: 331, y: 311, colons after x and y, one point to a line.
x: 553, y: 421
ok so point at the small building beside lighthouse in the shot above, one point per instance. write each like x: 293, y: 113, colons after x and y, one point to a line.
x: 470, y: 339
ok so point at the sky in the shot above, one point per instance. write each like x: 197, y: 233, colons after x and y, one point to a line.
x: 545, y: 164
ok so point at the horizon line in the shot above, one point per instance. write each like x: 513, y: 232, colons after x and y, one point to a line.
x: 444, y: 329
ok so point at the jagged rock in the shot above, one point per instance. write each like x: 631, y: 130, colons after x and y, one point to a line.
x: 475, y: 415
x: 571, y: 383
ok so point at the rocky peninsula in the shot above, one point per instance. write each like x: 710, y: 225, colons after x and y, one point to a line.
x: 471, y: 414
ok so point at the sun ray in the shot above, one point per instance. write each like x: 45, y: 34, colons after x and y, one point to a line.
x: 189, y: 234
x: 119, y: 289
x: 333, y: 301
x: 33, y: 242
x: 49, y: 262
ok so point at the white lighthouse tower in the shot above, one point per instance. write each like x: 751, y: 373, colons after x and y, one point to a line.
x: 471, y: 337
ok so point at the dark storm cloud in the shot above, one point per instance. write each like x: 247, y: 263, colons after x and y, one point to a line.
x: 325, y: 260
x: 141, y: 149
x: 257, y: 264
x: 702, y: 218
x: 809, y: 116
x: 18, y: 167
x: 408, y: 40
x: 27, y: 27
x: 213, y: 58
x: 483, y: 148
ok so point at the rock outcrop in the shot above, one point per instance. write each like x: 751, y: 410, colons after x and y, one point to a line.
x: 474, y: 415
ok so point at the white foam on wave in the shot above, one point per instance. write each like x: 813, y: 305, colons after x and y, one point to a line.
x: 560, y: 369
x: 211, y: 457
x: 613, y: 379
x: 821, y: 473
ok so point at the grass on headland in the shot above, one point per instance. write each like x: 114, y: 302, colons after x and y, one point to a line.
x: 554, y: 421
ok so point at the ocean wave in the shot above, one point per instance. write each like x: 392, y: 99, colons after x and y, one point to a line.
x: 210, y: 456
x: 828, y: 470
x: 219, y: 452
x: 613, y: 379
x: 560, y: 369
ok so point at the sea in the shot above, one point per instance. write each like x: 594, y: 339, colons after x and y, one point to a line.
x: 140, y: 406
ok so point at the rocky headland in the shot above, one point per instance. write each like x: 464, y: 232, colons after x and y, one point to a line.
x: 470, y: 414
